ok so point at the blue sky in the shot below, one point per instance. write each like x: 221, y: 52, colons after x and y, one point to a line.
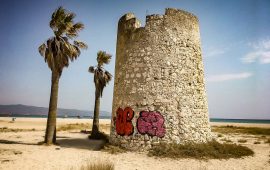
x: 235, y: 38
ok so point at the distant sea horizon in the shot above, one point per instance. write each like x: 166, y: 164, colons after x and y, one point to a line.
x: 259, y: 121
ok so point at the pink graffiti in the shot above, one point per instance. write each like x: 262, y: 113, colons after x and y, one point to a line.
x: 151, y: 123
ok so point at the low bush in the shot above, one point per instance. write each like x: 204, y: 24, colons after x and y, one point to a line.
x: 210, y: 150
x: 112, y: 149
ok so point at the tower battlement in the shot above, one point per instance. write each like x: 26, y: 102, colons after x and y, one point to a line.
x: 129, y: 21
x: 129, y: 27
x: 179, y: 12
x: 171, y: 16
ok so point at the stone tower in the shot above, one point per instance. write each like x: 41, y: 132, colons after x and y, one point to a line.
x: 159, y: 90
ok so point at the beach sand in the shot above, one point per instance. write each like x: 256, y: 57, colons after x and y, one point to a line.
x: 19, y: 150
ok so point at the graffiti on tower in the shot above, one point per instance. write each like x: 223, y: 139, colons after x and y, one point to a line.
x: 123, y: 121
x: 151, y: 123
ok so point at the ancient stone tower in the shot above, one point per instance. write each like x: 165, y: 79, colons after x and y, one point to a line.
x: 159, y: 90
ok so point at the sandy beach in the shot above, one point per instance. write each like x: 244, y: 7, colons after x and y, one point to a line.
x: 20, y: 149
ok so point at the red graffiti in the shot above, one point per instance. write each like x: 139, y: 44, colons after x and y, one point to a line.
x: 123, y: 121
x: 151, y: 123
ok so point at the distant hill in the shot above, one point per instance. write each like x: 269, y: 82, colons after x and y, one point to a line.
x: 43, y: 111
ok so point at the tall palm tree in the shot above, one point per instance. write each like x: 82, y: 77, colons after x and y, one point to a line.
x: 58, y: 51
x: 101, y: 79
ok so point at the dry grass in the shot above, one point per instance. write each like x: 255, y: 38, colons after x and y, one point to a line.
x: 81, y: 126
x: 267, y: 141
x: 105, y: 126
x: 210, y: 150
x: 74, y: 126
x: 242, y: 140
x: 104, y: 165
x: 245, y: 130
x: 112, y: 149
x: 9, y: 151
x: 6, y: 129
x: 257, y: 142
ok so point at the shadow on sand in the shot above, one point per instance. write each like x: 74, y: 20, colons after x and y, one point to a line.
x: 81, y: 143
x: 67, y: 142
x: 17, y: 142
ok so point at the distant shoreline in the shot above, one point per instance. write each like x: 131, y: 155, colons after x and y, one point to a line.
x: 212, y: 120
x: 45, y: 116
x: 256, y: 121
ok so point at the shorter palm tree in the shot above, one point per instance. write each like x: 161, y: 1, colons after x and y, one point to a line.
x: 101, y: 79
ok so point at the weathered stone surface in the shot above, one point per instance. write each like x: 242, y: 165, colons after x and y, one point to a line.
x: 159, y: 68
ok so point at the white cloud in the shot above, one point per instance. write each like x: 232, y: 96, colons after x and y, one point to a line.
x: 215, y: 52
x: 262, y: 44
x: 260, y: 52
x: 226, y: 77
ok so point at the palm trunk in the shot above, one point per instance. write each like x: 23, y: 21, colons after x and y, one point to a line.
x: 95, y: 127
x: 50, y: 136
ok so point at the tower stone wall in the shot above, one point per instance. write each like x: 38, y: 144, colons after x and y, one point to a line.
x: 159, y: 90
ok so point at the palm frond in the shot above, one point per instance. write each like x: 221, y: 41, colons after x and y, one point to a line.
x: 101, y: 78
x: 80, y: 44
x: 76, y: 52
x: 62, y: 23
x: 58, y: 51
x: 42, y: 49
x: 57, y: 17
x: 103, y: 58
x: 49, y: 59
x: 73, y: 31
x: 78, y: 26
x: 107, y: 77
x: 69, y: 17
x: 91, y: 69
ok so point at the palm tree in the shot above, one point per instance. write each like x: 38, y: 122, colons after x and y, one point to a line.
x: 58, y: 51
x: 101, y: 79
